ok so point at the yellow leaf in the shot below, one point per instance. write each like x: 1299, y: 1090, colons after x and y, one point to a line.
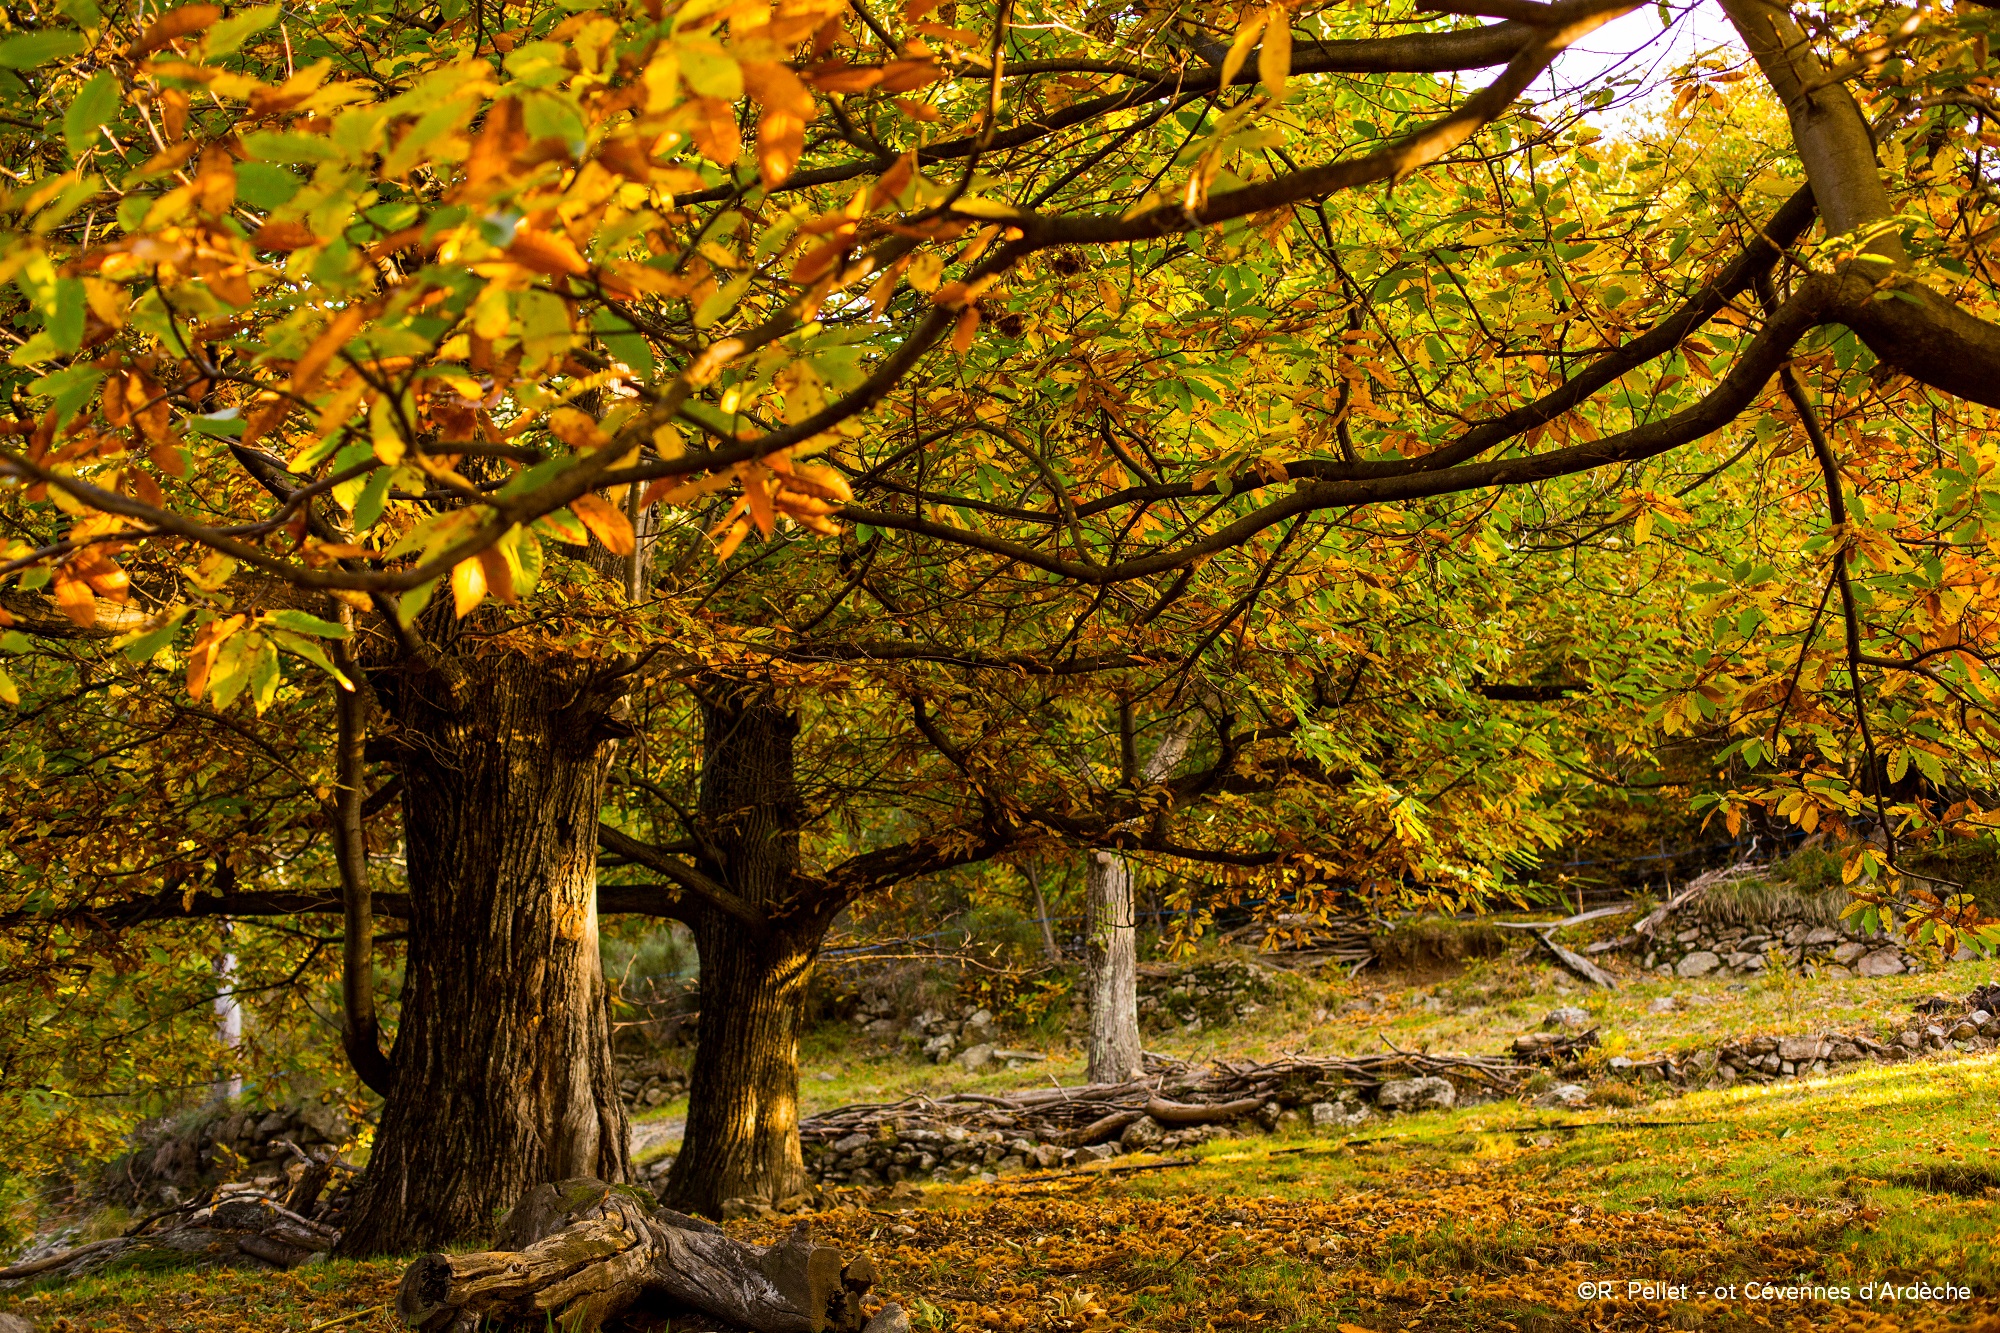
x: 1239, y: 50
x: 382, y: 432
x: 1274, y: 59
x: 468, y: 586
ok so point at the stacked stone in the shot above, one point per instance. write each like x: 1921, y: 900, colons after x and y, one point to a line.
x: 171, y: 1160
x: 1207, y: 994
x: 1703, y: 948
x: 645, y: 1084
x: 951, y: 1153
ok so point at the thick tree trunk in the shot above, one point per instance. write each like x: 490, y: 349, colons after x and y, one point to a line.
x: 742, y: 1136
x: 1113, y: 970
x: 502, y: 1074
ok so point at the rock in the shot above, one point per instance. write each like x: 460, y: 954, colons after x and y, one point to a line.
x: 882, y: 1027
x: 1979, y: 1018
x: 1698, y: 964
x: 1141, y: 1134
x: 1821, y: 935
x: 1803, y: 1049
x: 1018, y: 1057
x: 744, y: 1206
x: 1564, y: 1094
x: 1910, y: 1041
x: 1411, y: 1094
x: 13, y: 1323
x: 852, y: 1143
x: 1097, y: 1152
x: 1661, y: 1004
x: 1338, y: 1115
x: 1569, y: 1016
x: 1620, y: 1064
x: 889, y: 1319
x: 1848, y: 952
x: 975, y: 1058
x: 1881, y: 963
x: 1965, y: 1031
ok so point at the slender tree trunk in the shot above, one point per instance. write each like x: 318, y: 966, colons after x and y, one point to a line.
x: 1049, y: 947
x: 1113, y: 970
x: 502, y: 1076
x: 742, y: 1136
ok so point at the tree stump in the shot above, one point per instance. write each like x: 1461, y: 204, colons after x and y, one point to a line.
x: 580, y: 1251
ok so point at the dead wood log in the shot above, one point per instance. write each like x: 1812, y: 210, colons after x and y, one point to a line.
x: 580, y: 1251
x: 1200, y: 1113
x: 1578, y: 965
x: 1104, y: 1127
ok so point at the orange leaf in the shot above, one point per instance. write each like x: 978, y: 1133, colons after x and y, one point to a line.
x: 961, y: 333
x: 305, y: 371
x: 605, y: 523
x: 284, y: 236
x: 169, y: 27
x: 737, y: 532
x: 901, y: 76
x: 202, y: 655
x: 498, y: 577
x: 75, y: 598
x: 575, y: 429
x: 837, y: 76
x: 757, y: 493
x: 715, y: 134
x: 546, y: 252
x: 168, y: 459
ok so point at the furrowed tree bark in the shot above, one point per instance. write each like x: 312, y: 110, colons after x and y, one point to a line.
x: 741, y: 1140
x: 503, y: 1077
x: 577, y: 1252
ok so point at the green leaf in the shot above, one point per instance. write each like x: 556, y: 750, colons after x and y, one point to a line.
x: 411, y: 604
x: 275, y: 146
x: 144, y: 646
x: 265, y: 185
x: 723, y: 300
x: 228, y: 35
x: 9, y: 695
x: 374, y: 498
x: 96, y: 103
x: 31, y: 50
x: 313, y: 653
x: 564, y: 527
x: 299, y: 622
x: 69, y: 389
